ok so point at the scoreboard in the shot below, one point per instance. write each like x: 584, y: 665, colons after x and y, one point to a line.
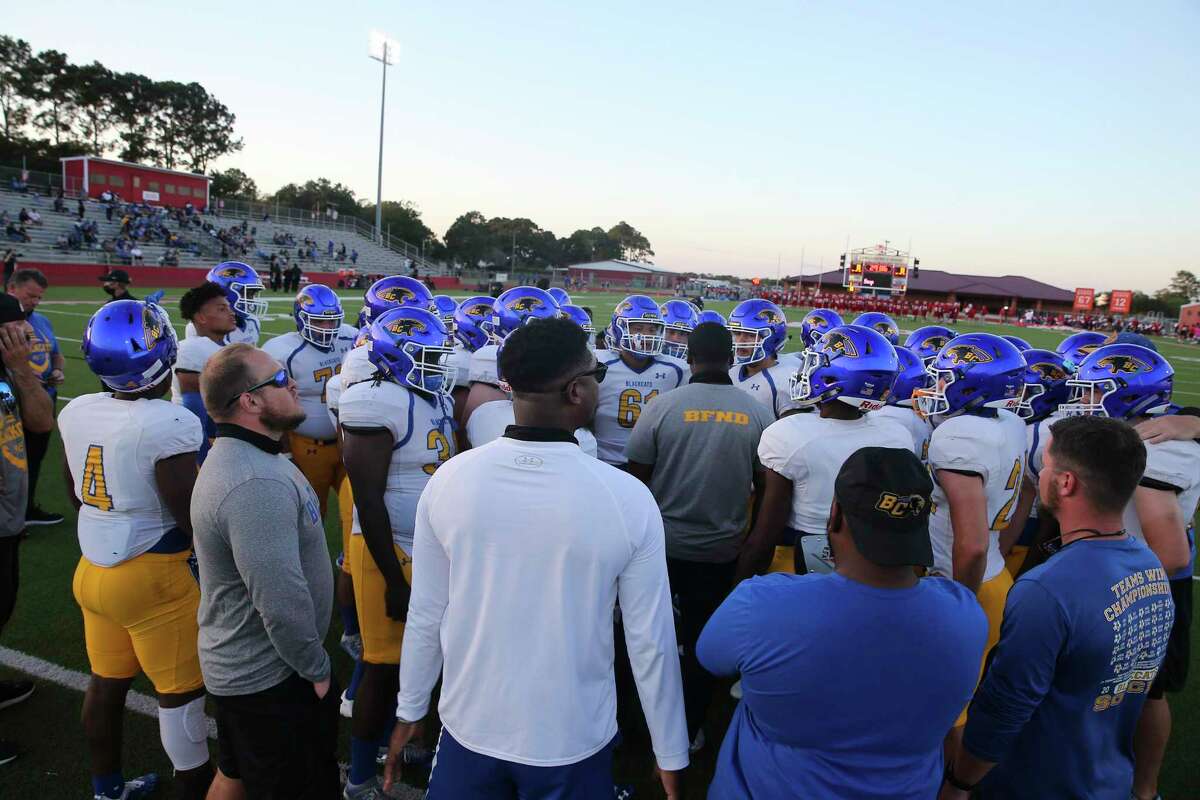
x: 876, y: 269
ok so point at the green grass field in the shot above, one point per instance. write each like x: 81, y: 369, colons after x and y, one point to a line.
x: 47, y: 623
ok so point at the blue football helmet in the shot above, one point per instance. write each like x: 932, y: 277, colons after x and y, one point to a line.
x: 1019, y: 343
x: 316, y: 304
x: 711, y: 316
x: 1076, y: 347
x: 444, y: 306
x: 515, y: 308
x: 130, y: 345
x: 973, y: 372
x: 817, y: 323
x: 1121, y: 381
x: 391, y: 292
x: 926, y: 342
x: 560, y: 296
x: 1045, y: 384
x: 580, y: 318
x: 647, y: 341
x: 469, y: 319
x: 851, y: 363
x: 765, y: 322
x: 242, y: 288
x: 411, y: 346
x: 882, y: 323
x: 681, y: 318
x: 911, y: 377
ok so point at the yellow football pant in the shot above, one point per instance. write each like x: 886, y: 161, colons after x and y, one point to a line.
x: 141, y: 616
x: 321, y: 463
x: 346, y: 515
x: 381, y: 635
x: 992, y: 596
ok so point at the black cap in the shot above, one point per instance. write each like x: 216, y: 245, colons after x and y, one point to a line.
x: 884, y: 494
x: 117, y: 275
x: 10, y: 309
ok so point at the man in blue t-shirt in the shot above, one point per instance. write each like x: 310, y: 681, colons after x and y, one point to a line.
x: 29, y: 286
x: 1084, y: 636
x: 851, y: 679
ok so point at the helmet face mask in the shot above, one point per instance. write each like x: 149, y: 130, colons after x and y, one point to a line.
x: 637, y: 327
x: 766, y: 322
x: 749, y: 346
x: 1122, y: 381
x: 1087, y: 398
x: 242, y: 288
x: 248, y: 302
x: 318, y: 314
x: 681, y: 318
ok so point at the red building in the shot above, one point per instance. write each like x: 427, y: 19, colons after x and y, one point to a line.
x: 625, y: 274
x: 134, y: 183
x: 1015, y: 292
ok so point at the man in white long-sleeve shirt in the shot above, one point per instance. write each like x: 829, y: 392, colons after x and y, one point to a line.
x: 520, y: 610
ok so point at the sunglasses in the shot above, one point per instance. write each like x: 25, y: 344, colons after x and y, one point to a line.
x: 598, y: 372
x: 279, y: 380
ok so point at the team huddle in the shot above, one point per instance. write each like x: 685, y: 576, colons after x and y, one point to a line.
x: 416, y: 380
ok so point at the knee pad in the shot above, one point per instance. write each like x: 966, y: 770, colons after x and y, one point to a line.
x: 184, y: 733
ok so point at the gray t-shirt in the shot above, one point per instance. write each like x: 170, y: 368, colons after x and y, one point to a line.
x: 702, y: 440
x: 14, y: 474
x: 266, y: 583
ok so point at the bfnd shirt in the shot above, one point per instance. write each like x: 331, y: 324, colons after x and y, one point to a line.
x: 772, y: 387
x: 809, y: 450
x: 992, y: 448
x: 422, y: 430
x: 112, y: 447
x: 312, y: 369
x: 248, y: 331
x: 624, y: 393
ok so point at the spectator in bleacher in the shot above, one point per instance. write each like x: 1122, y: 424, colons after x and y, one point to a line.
x: 82, y: 210
x: 61, y: 242
x: 170, y: 258
x: 353, y: 256
x: 19, y: 185
x: 60, y: 205
x: 276, y: 274
x: 108, y: 212
x: 28, y: 286
x: 16, y: 233
x: 34, y: 217
x: 116, y: 285
x: 23, y: 216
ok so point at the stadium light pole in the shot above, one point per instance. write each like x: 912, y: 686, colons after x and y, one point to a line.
x: 383, y: 50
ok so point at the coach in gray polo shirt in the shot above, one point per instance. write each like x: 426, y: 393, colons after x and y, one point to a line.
x: 266, y: 587
x: 696, y: 448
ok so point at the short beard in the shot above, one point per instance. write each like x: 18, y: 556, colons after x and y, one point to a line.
x: 1050, y: 503
x: 281, y: 423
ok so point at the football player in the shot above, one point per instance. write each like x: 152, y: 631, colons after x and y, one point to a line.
x: 1130, y: 382
x: 131, y: 465
x: 242, y: 288
x: 846, y: 374
x: 882, y: 323
x: 207, y: 310
x: 759, y: 331
x: 397, y: 429
x: 927, y: 341
x: 681, y: 318
x: 637, y: 372
x: 560, y: 296
x: 711, y: 316
x: 911, y: 377
x: 469, y: 336
x: 817, y: 323
x: 583, y: 319
x: 510, y: 310
x: 977, y: 457
x: 312, y: 355
x: 1076, y: 347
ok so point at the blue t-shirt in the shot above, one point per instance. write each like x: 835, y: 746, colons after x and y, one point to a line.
x: 848, y: 690
x: 1082, y: 639
x: 44, y: 346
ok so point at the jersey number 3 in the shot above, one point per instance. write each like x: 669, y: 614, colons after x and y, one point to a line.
x: 629, y: 406
x: 95, y: 492
x: 439, y: 444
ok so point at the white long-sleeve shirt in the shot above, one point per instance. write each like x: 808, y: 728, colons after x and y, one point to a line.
x: 521, y: 551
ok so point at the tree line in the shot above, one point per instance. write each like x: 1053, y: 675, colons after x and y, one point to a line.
x: 51, y: 107
x: 500, y: 243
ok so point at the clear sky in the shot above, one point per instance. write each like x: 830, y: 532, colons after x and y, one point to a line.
x: 1057, y: 140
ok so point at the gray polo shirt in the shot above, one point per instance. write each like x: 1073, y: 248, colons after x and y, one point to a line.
x: 703, y: 442
x: 266, y: 583
x: 14, y: 472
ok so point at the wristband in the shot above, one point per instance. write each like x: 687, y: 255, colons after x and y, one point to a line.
x: 949, y: 777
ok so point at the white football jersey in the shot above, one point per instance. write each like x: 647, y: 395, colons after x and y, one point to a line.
x: 483, y: 367
x: 1175, y: 464
x: 248, y: 331
x: 356, y: 367
x: 193, y: 354
x: 917, y: 426
x: 312, y: 369
x: 772, y: 386
x: 460, y: 364
x: 623, y: 394
x: 422, y: 429
x: 993, y: 448
x: 489, y: 420
x: 111, y: 447
x: 810, y: 450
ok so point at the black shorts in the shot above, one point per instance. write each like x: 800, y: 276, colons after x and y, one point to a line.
x: 281, y: 742
x: 1172, y: 676
x: 10, y: 573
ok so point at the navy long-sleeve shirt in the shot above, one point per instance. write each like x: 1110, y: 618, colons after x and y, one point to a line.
x: 1083, y: 637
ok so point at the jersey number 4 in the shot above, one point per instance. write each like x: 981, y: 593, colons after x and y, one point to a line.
x: 94, y: 491
x: 629, y: 406
x: 1012, y: 485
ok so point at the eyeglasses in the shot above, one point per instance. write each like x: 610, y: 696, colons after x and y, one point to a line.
x: 598, y: 372
x: 279, y: 380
